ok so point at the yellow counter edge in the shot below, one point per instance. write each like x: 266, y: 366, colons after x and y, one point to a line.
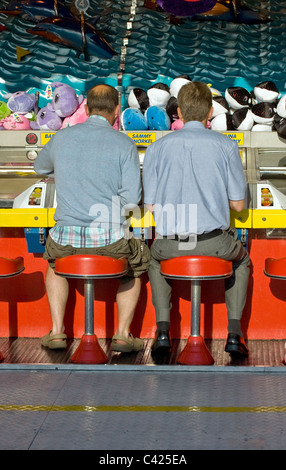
x: 248, y: 218
x: 45, y: 218
x: 24, y: 218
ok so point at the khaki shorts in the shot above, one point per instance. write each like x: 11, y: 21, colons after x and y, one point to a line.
x: 134, y: 250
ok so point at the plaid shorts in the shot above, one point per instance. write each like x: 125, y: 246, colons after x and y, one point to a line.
x: 136, y: 252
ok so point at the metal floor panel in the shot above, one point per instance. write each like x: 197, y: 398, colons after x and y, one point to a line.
x: 262, y: 353
x: 152, y: 411
x: 131, y: 403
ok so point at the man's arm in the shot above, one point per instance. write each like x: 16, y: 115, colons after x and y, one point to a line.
x: 149, y: 179
x: 130, y: 193
x: 43, y: 164
x: 149, y: 207
x: 237, y: 206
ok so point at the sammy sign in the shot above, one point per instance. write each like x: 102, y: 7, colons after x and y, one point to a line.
x: 142, y: 138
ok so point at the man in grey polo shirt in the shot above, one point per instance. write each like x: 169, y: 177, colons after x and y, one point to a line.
x: 192, y: 178
x: 97, y: 175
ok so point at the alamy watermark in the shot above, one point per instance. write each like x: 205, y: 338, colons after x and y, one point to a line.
x: 173, y: 221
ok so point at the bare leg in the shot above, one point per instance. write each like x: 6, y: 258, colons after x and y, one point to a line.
x: 57, y: 291
x: 127, y: 298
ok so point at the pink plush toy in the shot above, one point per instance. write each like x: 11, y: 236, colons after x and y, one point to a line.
x: 77, y: 117
x: 177, y: 125
x: 15, y: 122
x: 116, y: 124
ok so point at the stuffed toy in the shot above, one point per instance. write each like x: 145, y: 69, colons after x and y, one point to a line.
x: 77, y: 117
x: 177, y: 83
x: 177, y: 125
x: 133, y: 119
x: 266, y: 91
x: 15, y: 122
x: 220, y: 106
x: 281, y: 107
x: 222, y: 122
x: 261, y: 128
x: 242, y: 119
x: 116, y: 124
x: 214, y: 91
x: 65, y: 100
x: 157, y: 119
x: 138, y: 98
x: 172, y: 109
x: 159, y: 95
x: 263, y: 113
x: 47, y: 119
x: 279, y: 124
x: 237, y: 97
x: 4, y: 110
x: 20, y: 102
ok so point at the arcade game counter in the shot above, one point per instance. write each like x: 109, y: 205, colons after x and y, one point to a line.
x: 27, y: 206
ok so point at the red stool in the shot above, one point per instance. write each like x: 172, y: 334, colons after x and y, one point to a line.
x: 276, y: 269
x: 196, y: 269
x: 9, y: 268
x: 89, y: 268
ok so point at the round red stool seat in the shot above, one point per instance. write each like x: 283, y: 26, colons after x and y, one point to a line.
x: 11, y: 267
x: 89, y: 268
x: 275, y: 268
x: 196, y: 269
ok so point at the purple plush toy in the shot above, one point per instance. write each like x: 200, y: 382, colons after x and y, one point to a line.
x: 65, y: 100
x: 20, y: 102
x: 47, y: 119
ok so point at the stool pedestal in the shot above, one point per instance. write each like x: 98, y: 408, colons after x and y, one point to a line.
x: 196, y: 269
x: 89, y: 350
x: 9, y: 268
x: 195, y: 352
x: 90, y: 268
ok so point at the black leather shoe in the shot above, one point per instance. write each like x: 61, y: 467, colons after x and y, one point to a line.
x: 162, y: 344
x: 235, y: 346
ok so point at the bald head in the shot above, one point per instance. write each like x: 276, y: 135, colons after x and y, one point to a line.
x: 103, y: 100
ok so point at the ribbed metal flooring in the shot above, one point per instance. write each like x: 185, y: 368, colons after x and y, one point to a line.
x: 116, y: 412
x: 131, y: 403
x: 263, y: 353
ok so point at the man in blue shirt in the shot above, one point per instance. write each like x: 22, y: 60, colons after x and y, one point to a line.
x: 97, y: 175
x: 192, y: 178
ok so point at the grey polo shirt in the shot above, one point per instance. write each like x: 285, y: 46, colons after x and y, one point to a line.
x: 96, y: 171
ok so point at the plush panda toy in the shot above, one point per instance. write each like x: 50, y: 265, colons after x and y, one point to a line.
x: 238, y: 97
x: 266, y: 92
x: 138, y: 99
x: 159, y: 95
